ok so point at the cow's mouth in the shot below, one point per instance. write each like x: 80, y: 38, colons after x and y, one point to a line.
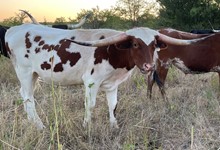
x: 147, y: 68
x: 143, y: 71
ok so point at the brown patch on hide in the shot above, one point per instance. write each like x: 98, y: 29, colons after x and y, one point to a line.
x: 92, y: 71
x: 26, y: 55
x: 65, y: 55
x: 37, y: 38
x: 102, y: 37
x: 117, y: 58
x: 41, y: 43
x: 58, y: 67
x: 46, y: 66
x: 61, y: 49
x: 37, y: 50
x: 27, y: 40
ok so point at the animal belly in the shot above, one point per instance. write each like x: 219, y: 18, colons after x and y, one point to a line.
x: 188, y: 69
x: 61, y: 78
x: 215, y: 69
x: 180, y: 65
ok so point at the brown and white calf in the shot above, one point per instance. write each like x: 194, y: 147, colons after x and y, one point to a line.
x: 39, y: 51
x: 163, y: 70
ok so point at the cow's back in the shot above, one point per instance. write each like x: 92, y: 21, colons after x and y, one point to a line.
x: 45, y: 51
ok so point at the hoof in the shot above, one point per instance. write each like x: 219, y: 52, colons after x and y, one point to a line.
x: 114, y: 125
x: 39, y: 124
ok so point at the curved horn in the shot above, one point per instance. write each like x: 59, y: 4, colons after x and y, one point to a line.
x: 170, y: 40
x: 216, y: 31
x: 82, y: 21
x: 31, y: 17
x: 103, y: 42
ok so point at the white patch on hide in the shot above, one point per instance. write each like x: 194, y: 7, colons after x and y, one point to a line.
x: 177, y: 62
x: 156, y: 57
x: 145, y: 34
x: 215, y: 69
x: 180, y: 65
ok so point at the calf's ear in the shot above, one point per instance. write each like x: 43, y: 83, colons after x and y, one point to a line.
x: 158, y: 43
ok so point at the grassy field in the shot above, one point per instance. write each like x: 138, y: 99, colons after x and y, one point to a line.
x: 189, y: 120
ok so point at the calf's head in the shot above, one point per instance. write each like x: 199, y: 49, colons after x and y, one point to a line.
x: 135, y: 51
x: 141, y: 55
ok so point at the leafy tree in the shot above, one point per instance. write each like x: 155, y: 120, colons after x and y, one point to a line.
x: 17, y: 20
x: 134, y: 10
x: 147, y: 20
x: 101, y: 19
x: 175, y: 12
x: 205, y: 15
x: 60, y: 20
x: 189, y: 14
x: 94, y: 21
x: 111, y: 20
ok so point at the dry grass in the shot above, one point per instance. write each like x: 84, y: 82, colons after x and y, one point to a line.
x: 189, y: 120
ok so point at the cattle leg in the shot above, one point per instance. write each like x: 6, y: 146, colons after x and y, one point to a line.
x: 150, y: 83
x: 90, y: 100
x: 27, y: 80
x: 151, y: 79
x: 112, y: 102
x: 218, y: 84
x: 162, y: 73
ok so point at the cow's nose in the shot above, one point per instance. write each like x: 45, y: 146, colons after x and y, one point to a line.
x: 148, y: 67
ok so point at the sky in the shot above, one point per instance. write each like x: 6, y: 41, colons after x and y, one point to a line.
x: 50, y: 9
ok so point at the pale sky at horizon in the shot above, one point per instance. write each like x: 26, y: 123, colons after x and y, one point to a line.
x: 51, y: 9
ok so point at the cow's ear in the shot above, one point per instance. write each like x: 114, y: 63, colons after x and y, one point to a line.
x: 159, y: 43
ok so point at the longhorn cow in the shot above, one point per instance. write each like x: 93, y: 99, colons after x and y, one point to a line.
x: 48, y: 53
x: 163, y: 70
x: 195, y: 56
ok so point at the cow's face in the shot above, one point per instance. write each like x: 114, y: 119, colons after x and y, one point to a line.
x: 141, y: 54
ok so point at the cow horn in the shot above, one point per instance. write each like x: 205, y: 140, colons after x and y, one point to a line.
x: 170, y: 40
x: 103, y: 42
x: 31, y: 17
x: 70, y: 26
x: 82, y: 21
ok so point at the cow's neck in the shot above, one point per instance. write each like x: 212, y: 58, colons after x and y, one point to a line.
x: 116, y: 57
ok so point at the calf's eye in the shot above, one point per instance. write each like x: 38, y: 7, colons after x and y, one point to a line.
x: 135, y: 45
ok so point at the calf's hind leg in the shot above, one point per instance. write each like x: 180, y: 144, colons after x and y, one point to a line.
x: 27, y: 80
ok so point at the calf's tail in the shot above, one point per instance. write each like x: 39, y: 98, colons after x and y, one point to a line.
x: 157, y: 79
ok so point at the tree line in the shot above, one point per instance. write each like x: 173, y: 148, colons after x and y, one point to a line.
x: 179, y: 14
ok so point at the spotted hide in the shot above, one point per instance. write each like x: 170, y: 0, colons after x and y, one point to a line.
x: 39, y: 51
